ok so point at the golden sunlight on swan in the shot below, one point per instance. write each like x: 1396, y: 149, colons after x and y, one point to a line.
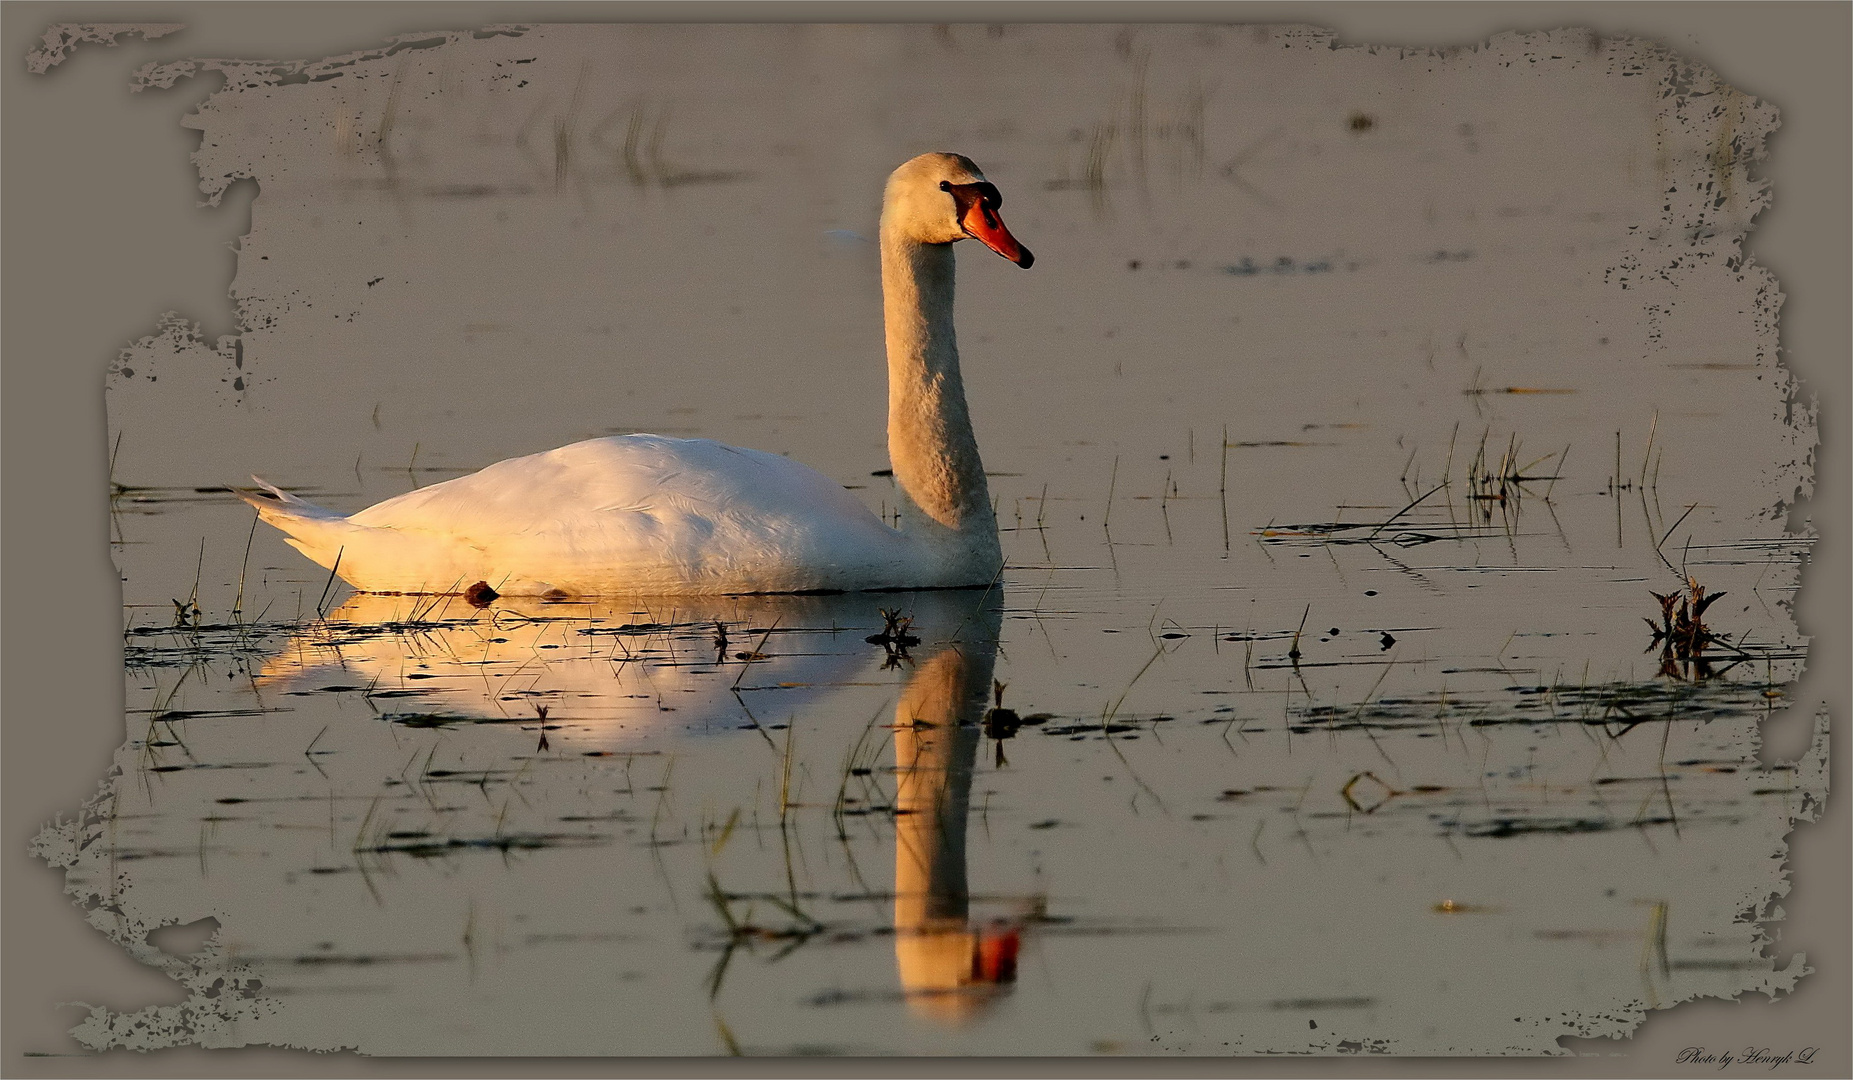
x: 651, y: 514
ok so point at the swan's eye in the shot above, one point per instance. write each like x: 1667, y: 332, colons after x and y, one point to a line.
x: 982, y: 193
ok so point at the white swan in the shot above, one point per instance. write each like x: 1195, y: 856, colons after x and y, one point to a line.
x: 653, y: 515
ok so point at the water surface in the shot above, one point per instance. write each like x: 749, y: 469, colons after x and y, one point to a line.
x: 1356, y: 408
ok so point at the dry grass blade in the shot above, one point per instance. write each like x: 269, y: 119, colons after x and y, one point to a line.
x: 756, y: 653
x: 1412, y: 505
x: 320, y: 609
x: 238, y: 601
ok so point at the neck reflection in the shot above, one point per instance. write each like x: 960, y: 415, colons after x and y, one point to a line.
x: 949, y: 968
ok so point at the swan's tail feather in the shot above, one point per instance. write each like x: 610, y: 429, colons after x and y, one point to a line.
x: 283, y: 504
x: 371, y: 558
x: 316, y: 531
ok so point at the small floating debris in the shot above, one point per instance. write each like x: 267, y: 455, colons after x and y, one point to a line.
x: 894, y: 636
x: 1505, y: 826
x: 1283, y: 264
x: 1455, y: 907
x: 422, y: 720
x: 1377, y: 793
x: 999, y: 722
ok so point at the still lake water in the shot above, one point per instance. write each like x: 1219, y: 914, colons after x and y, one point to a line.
x: 1356, y: 406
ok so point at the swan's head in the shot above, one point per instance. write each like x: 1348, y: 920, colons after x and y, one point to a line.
x: 943, y: 198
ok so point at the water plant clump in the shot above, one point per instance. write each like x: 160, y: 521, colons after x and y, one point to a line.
x: 1682, y: 634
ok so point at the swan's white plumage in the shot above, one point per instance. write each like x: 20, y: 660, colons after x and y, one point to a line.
x: 628, y: 513
x: 650, y: 514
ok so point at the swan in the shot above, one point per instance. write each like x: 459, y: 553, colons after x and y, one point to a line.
x: 648, y: 514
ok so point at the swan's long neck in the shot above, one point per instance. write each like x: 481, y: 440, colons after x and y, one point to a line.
x: 945, y: 502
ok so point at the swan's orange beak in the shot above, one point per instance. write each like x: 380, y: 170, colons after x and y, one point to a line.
x: 982, y: 224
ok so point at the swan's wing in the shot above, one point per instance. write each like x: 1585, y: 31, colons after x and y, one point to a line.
x: 628, y: 512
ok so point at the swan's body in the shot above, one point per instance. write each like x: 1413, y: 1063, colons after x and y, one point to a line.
x: 650, y: 514
x: 629, y: 513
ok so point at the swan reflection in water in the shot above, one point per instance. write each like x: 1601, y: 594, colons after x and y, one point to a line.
x: 611, y: 673
x: 949, y: 968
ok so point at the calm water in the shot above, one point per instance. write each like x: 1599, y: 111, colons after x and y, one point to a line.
x: 1354, y: 410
